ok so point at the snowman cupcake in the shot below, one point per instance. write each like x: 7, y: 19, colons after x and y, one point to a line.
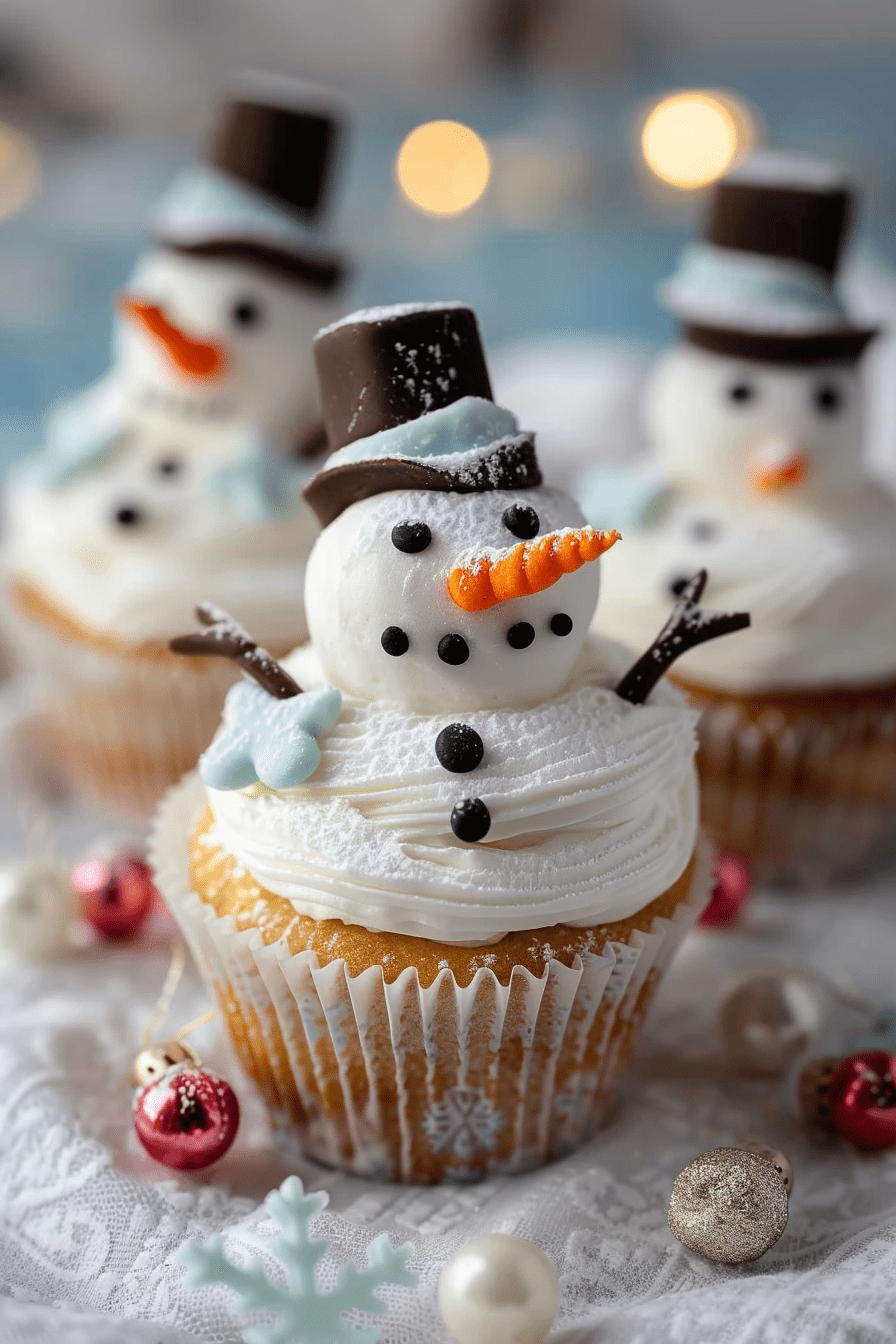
x: 438, y: 860
x: 756, y: 416
x: 181, y: 470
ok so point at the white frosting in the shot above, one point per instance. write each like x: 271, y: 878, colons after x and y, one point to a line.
x: 359, y: 585
x: 593, y: 805
x: 813, y: 563
x: 142, y: 583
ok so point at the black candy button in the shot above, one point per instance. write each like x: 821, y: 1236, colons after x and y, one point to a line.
x: 395, y: 641
x: 521, y: 635
x: 677, y: 586
x: 128, y: 515
x: 521, y: 521
x: 561, y: 624
x: 453, y: 649
x: 411, y: 537
x: 704, y: 529
x: 459, y: 748
x: 470, y: 820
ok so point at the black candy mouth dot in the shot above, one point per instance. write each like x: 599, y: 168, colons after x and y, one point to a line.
x: 453, y: 649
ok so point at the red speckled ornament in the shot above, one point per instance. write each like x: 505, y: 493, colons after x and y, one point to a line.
x: 187, y: 1119
x: 861, y: 1098
x: 117, y: 895
x: 734, y: 883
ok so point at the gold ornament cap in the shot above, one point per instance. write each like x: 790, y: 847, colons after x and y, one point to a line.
x: 156, y: 1060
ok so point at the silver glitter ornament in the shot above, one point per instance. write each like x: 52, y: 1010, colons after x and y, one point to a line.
x: 729, y: 1205
x: 768, y: 1017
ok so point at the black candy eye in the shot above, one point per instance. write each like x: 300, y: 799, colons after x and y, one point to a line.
x: 828, y: 399
x: 741, y: 393
x: 168, y: 466
x: 411, y: 537
x: 521, y: 521
x: 561, y: 624
x: 246, y: 313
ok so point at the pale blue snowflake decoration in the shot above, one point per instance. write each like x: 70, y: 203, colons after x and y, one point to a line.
x: 269, y: 740
x: 306, y: 1315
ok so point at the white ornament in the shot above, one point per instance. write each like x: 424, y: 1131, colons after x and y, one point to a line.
x: 498, y: 1289
x: 37, y: 908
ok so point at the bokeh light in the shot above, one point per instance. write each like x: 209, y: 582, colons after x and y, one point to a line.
x: 443, y: 167
x: 689, y: 139
x: 19, y: 170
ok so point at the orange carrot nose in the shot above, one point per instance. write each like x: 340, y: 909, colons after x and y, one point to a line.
x: 199, y: 359
x: 485, y: 578
x: 779, y: 464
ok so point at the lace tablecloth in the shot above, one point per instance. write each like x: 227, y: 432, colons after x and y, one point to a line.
x: 89, y: 1226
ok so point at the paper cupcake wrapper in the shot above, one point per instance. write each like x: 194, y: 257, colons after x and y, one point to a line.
x: 418, y: 1083
x: 118, y: 728
x: 805, y: 790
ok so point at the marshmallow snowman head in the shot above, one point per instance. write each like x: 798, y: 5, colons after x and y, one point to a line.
x: 383, y: 619
x: 448, y: 576
x: 217, y: 339
x: 726, y: 426
x: 215, y: 319
x: 761, y: 396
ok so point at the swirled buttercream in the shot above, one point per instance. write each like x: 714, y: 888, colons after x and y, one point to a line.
x: 593, y: 805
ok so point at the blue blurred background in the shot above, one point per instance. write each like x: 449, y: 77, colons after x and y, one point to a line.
x: 573, y: 231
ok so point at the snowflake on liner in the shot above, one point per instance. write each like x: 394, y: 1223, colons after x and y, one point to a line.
x: 306, y: 1314
x: 464, y: 1121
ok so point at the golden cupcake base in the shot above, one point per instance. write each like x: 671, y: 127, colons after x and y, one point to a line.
x: 407, y: 1059
x: 117, y: 724
x: 801, y: 784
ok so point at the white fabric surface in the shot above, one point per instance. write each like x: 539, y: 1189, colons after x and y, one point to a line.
x: 89, y: 1225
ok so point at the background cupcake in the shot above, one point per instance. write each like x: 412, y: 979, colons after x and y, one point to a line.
x: 756, y: 417
x: 178, y: 476
x: 435, y: 890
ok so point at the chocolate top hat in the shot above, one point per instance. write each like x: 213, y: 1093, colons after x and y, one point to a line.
x: 262, y: 193
x: 761, y: 283
x: 407, y: 405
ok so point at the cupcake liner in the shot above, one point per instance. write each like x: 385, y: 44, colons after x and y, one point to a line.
x: 412, y: 1082
x: 803, y: 786
x: 119, y: 728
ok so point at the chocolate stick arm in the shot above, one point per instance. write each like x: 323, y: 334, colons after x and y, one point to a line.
x: 223, y: 637
x: 688, y: 626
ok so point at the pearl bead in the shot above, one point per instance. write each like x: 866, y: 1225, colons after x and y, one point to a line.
x: 498, y: 1289
x: 37, y: 907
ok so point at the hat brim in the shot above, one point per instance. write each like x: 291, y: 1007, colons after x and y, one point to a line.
x: 837, y: 345
x: 325, y: 273
x: 512, y: 466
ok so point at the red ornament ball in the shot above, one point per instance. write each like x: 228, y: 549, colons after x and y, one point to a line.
x: 861, y: 1099
x: 187, y: 1119
x: 118, y: 895
x: 733, y: 885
